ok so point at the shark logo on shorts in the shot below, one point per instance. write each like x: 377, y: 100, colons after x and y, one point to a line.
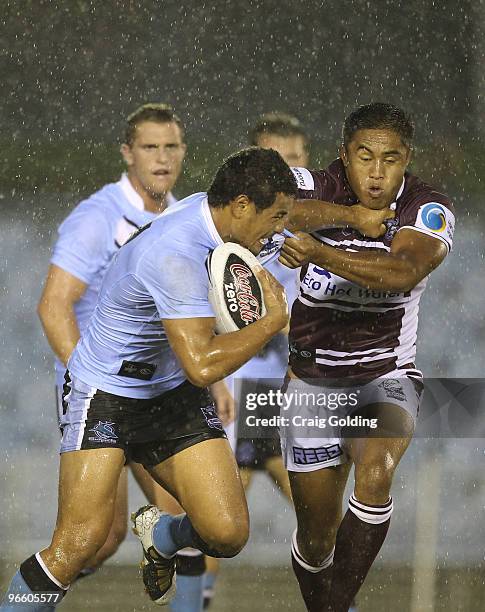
x: 104, y: 432
x: 211, y: 417
x: 393, y: 389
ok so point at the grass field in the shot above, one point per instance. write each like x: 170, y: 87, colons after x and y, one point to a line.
x: 245, y: 589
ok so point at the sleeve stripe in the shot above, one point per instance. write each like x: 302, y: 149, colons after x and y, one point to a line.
x: 427, y: 233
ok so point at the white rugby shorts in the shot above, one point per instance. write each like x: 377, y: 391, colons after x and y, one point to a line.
x: 313, y: 417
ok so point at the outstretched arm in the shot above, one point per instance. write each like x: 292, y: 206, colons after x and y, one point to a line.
x: 413, y: 256
x: 310, y: 215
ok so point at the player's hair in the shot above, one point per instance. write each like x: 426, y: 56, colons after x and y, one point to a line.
x: 278, y: 124
x: 258, y: 173
x: 157, y: 112
x: 379, y: 116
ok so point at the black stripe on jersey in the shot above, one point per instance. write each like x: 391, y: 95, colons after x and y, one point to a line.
x: 140, y: 230
x: 133, y: 224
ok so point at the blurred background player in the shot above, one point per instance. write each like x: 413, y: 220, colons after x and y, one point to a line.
x: 355, y: 323
x: 153, y: 150
x: 283, y: 133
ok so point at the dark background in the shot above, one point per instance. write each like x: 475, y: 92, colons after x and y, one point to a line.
x: 72, y: 71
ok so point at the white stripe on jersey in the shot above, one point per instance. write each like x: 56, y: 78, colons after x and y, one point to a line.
x: 345, y: 354
x: 355, y: 242
x: 348, y: 362
x: 356, y: 308
x: 406, y: 348
x: 206, y: 213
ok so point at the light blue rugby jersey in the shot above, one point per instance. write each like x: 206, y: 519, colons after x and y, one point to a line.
x: 160, y: 274
x: 91, y: 235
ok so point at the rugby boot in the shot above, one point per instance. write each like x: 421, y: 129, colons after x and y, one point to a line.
x: 158, y: 571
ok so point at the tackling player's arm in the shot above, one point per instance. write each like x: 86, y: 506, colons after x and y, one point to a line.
x: 413, y: 256
x: 207, y: 358
x: 310, y: 215
x: 56, y: 311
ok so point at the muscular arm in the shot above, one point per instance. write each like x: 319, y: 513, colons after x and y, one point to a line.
x: 56, y: 311
x: 207, y: 358
x: 413, y: 256
x: 310, y: 215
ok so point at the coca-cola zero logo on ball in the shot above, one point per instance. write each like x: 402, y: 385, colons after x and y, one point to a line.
x: 242, y: 292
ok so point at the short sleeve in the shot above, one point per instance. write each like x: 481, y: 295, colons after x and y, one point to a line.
x: 178, y: 284
x: 314, y: 184
x: 83, y: 243
x: 433, y: 219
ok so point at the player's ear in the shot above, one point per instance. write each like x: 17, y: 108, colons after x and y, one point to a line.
x: 240, y: 206
x: 343, y: 155
x: 126, y: 153
x: 409, y: 155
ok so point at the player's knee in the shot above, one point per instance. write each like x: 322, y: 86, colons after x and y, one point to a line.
x: 230, y: 537
x: 81, y: 541
x: 314, y: 547
x: 373, y: 481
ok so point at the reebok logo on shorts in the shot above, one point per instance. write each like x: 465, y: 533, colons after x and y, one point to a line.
x: 104, y: 432
x: 309, y: 456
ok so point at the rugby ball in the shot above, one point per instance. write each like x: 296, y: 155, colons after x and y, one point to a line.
x: 234, y: 291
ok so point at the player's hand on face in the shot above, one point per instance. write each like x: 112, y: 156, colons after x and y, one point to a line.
x: 274, y: 297
x: 371, y: 222
x: 298, y: 251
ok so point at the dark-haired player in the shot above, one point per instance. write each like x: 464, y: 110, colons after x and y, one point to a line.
x: 153, y: 150
x: 285, y: 134
x: 138, y: 380
x: 355, y: 323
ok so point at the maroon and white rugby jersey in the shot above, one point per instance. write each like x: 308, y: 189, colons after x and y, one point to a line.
x: 339, y: 329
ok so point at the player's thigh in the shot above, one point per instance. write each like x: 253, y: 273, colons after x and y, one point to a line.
x: 276, y: 469
x: 154, y: 492
x: 88, y: 485
x: 206, y: 482
x: 377, y: 456
x: 317, y: 496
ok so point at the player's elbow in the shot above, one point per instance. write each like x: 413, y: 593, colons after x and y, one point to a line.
x: 199, y: 373
x: 399, y: 285
x: 406, y: 281
x: 43, y: 310
x: 200, y: 378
